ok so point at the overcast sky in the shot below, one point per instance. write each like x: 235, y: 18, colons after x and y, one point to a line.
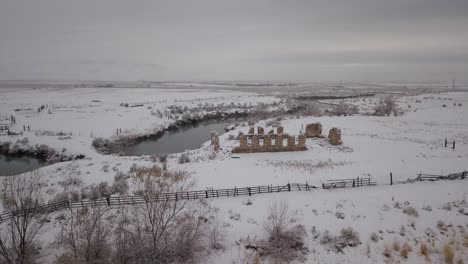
x: 315, y: 40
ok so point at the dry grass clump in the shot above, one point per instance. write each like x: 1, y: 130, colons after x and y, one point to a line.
x: 396, y: 246
x: 465, y: 240
x: 404, y: 252
x: 423, y: 249
x: 449, y: 254
x: 148, y: 178
x: 308, y: 166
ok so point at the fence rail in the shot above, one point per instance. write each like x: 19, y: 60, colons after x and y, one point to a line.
x: 432, y: 177
x: 211, y: 193
x: 157, y: 197
x: 343, y: 183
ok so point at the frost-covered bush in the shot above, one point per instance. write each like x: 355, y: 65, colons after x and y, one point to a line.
x: 386, y: 107
x: 374, y: 237
x: 349, y: 237
x: 344, y: 108
x: 184, y: 158
x: 162, y: 158
x: 120, y: 184
x: 411, y: 211
x: 340, y: 215
x: 102, y: 145
x: 447, y: 206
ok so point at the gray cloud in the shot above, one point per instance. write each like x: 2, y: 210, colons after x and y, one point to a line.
x: 215, y: 39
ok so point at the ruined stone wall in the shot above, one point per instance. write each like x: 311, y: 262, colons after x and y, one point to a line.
x: 268, y: 145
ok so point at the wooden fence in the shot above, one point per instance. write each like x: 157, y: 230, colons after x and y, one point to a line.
x: 433, y: 177
x: 157, y: 197
x: 211, y: 193
x: 343, y: 183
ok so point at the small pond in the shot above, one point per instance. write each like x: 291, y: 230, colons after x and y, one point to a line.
x: 188, y: 137
x: 13, y: 165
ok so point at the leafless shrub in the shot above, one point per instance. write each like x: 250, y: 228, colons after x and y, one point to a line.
x: 231, y: 137
x: 348, y: 237
x: 411, y: 211
x: 85, y: 236
x: 273, y: 123
x: 374, y: 237
x: 402, y: 231
x: 162, y: 158
x: 239, y: 135
x: 247, y: 257
x: 441, y: 226
x: 71, y: 180
x: 447, y: 206
x: 285, y: 240
x: 155, y: 179
x: 120, y: 184
x: 216, y: 235
x: 165, y: 232
x: 427, y: 208
x: 21, y: 192
x: 184, y: 158
x: 386, y: 107
x: 312, y: 109
x: 344, y: 108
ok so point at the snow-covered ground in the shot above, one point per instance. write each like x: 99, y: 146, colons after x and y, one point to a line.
x: 373, y: 147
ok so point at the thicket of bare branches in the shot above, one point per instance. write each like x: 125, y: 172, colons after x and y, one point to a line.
x: 85, y: 236
x: 344, y: 108
x: 153, y: 232
x: 19, y: 238
x: 386, y: 107
x: 285, y: 241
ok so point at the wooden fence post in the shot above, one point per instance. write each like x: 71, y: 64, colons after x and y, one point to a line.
x: 391, y: 179
x: 206, y: 194
x: 248, y: 188
x: 289, y: 187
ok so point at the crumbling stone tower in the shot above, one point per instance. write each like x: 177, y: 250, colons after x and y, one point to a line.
x: 313, y: 130
x: 335, y: 136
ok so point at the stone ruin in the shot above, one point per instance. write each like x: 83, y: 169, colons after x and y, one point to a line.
x: 272, y: 142
x: 335, y: 136
x: 214, y: 140
x: 313, y: 130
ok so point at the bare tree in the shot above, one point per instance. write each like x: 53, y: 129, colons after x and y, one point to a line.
x: 85, y: 236
x: 21, y: 196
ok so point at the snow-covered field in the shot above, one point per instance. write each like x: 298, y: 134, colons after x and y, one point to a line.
x: 373, y: 147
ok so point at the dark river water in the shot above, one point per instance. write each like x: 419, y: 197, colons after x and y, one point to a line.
x: 16, y: 165
x: 187, y: 138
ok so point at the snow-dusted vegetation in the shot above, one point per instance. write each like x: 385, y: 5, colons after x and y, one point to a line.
x: 80, y: 132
